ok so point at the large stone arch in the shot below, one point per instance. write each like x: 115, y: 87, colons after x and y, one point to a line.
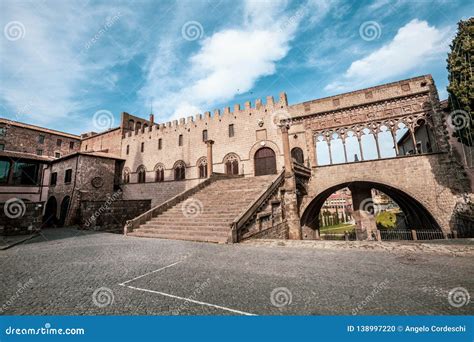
x: 408, y: 180
x: 418, y: 215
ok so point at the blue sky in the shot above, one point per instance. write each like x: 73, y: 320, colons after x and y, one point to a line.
x: 63, y: 61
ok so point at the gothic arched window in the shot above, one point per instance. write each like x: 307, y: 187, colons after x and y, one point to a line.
x: 141, y: 171
x: 179, y: 170
x: 202, y: 167
x: 231, y: 162
x: 159, y: 173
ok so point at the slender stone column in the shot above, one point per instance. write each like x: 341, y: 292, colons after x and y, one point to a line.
x: 360, y: 147
x: 345, y: 151
x: 376, y: 137
x: 366, y: 228
x: 394, y: 137
x: 209, y: 144
x: 413, y: 138
x: 330, y: 153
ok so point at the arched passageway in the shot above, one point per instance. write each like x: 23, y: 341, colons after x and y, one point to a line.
x: 49, y: 218
x: 64, y: 210
x: 416, y: 215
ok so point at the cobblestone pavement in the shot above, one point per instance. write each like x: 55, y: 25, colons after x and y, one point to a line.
x: 72, y: 272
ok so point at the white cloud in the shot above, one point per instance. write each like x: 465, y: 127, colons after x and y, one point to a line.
x: 52, y: 67
x: 415, y: 45
x: 228, y: 62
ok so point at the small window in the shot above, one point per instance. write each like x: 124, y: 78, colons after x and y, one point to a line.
x: 3, y: 131
x: 68, y: 176
x: 54, y: 179
x: 57, y: 155
x: 71, y: 145
x: 204, y: 135
x: 231, y: 130
x: 180, y: 140
x: 39, y: 152
x: 2, y: 147
x: 143, y: 147
x: 160, y: 144
x: 59, y: 142
x: 4, y: 171
x: 86, y: 147
x: 128, y: 149
x: 41, y: 139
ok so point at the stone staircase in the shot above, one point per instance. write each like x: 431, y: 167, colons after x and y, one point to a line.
x: 207, y: 215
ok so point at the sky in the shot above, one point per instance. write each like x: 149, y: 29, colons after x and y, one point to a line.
x: 75, y: 66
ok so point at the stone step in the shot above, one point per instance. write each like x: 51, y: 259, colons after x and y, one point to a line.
x: 200, y: 238
x: 193, y: 223
x: 220, y: 203
x: 186, y: 230
x: 201, y: 216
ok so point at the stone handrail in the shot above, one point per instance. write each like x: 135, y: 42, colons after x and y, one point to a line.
x: 130, y: 225
x: 238, y: 223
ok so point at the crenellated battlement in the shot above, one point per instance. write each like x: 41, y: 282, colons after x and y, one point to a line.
x: 147, y: 126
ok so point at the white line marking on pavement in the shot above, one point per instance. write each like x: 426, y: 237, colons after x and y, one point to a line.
x: 192, y: 301
x: 158, y: 270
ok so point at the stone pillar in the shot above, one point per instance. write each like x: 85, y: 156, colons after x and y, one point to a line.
x: 291, y: 206
x: 286, y: 150
x: 311, y: 146
x: 362, y: 201
x: 209, y: 144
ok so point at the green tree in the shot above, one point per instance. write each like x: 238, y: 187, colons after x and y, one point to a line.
x: 386, y: 219
x: 461, y: 82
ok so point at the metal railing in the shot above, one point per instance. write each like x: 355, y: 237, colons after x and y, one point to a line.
x: 410, y: 235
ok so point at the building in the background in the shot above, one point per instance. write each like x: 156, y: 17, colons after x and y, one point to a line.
x: 337, y: 208
x: 20, y: 137
x: 418, y: 141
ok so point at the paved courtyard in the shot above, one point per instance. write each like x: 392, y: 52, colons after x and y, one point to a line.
x: 66, y: 271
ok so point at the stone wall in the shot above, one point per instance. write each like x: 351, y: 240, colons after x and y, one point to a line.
x: 158, y: 193
x: 92, y: 179
x: 18, y: 217
x: 279, y: 231
x: 111, y: 214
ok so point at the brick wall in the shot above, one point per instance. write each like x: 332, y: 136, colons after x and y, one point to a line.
x: 26, y: 139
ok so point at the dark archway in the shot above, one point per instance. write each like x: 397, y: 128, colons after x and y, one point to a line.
x: 418, y: 217
x: 297, y: 155
x: 265, y: 162
x: 49, y: 218
x: 64, y: 210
